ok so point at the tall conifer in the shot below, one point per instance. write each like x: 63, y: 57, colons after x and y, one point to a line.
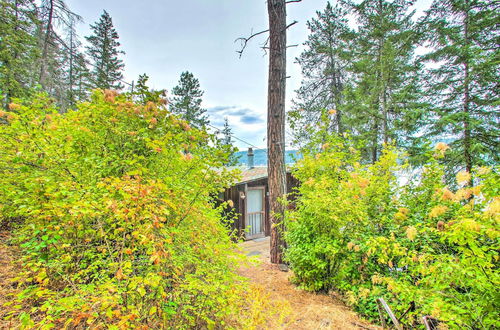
x: 464, y: 82
x: 366, y: 80
x: 323, y: 63
x: 18, y: 49
x: 56, y: 20
x: 144, y: 94
x: 76, y: 73
x: 382, y: 102
x: 186, y: 100
x: 104, y: 54
x: 227, y: 143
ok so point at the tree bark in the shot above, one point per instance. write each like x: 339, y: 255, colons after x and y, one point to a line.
x: 375, y: 142
x: 48, y: 30
x: 71, y: 80
x: 382, y: 93
x: 466, y: 120
x: 276, y: 124
x: 385, y: 122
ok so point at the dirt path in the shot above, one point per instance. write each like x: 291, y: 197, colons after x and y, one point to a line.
x: 309, y: 310
x: 8, y: 271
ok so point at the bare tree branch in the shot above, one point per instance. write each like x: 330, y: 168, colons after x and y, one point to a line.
x: 244, y: 41
x: 265, y: 47
x: 293, y: 23
x: 292, y: 1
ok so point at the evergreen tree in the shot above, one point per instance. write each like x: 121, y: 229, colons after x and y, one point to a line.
x: 186, y: 101
x: 323, y: 63
x: 143, y: 94
x: 227, y: 143
x: 227, y: 133
x: 54, y: 50
x: 76, y: 73
x: 365, y: 81
x: 18, y: 49
x: 80, y: 84
x: 464, y: 83
x: 104, y: 54
x: 383, y: 100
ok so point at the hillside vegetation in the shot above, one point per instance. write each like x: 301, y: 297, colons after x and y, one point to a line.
x: 358, y: 230
x: 113, y: 210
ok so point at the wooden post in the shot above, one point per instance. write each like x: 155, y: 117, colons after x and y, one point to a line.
x: 381, y: 304
x: 381, y: 315
x: 276, y: 123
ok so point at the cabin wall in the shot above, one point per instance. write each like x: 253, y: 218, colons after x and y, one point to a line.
x: 234, y: 194
x: 238, y: 208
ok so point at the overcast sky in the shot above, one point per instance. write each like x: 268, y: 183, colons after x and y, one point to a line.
x: 163, y: 38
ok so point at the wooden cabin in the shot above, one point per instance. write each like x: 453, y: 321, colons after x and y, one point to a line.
x: 250, y: 197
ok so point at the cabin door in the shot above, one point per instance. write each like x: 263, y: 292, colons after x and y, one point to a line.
x: 254, y: 218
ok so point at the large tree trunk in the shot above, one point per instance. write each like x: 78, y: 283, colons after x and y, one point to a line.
x: 276, y: 123
x: 45, y: 51
x: 71, y: 78
x: 11, y: 78
x: 467, y: 130
x: 385, y: 119
x: 375, y: 141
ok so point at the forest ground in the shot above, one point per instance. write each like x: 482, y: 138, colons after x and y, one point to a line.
x: 8, y: 270
x: 308, y: 310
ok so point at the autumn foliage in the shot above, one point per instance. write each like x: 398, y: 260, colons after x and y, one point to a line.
x: 388, y: 230
x: 112, y: 205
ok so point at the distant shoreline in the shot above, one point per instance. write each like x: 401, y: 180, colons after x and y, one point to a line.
x: 260, y: 157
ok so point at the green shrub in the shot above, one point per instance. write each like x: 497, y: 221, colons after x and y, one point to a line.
x: 360, y: 230
x: 118, y: 227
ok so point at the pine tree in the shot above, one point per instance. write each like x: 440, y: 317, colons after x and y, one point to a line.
x: 104, y: 54
x: 464, y: 38
x: 144, y: 94
x: 363, y: 81
x: 186, y: 101
x: 76, y: 73
x: 227, y: 143
x: 323, y: 63
x: 80, y: 84
x: 54, y: 51
x: 227, y: 133
x: 18, y: 49
x: 382, y: 100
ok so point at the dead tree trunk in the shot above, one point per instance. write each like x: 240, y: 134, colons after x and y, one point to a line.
x: 45, y: 51
x: 276, y: 123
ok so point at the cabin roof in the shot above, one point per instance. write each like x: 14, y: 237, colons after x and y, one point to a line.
x: 252, y: 174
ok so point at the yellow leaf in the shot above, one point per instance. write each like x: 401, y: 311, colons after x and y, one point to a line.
x: 463, y: 177
x: 411, y: 233
x: 119, y: 274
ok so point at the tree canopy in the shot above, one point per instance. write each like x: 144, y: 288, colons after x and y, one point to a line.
x: 186, y: 100
x: 104, y: 54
